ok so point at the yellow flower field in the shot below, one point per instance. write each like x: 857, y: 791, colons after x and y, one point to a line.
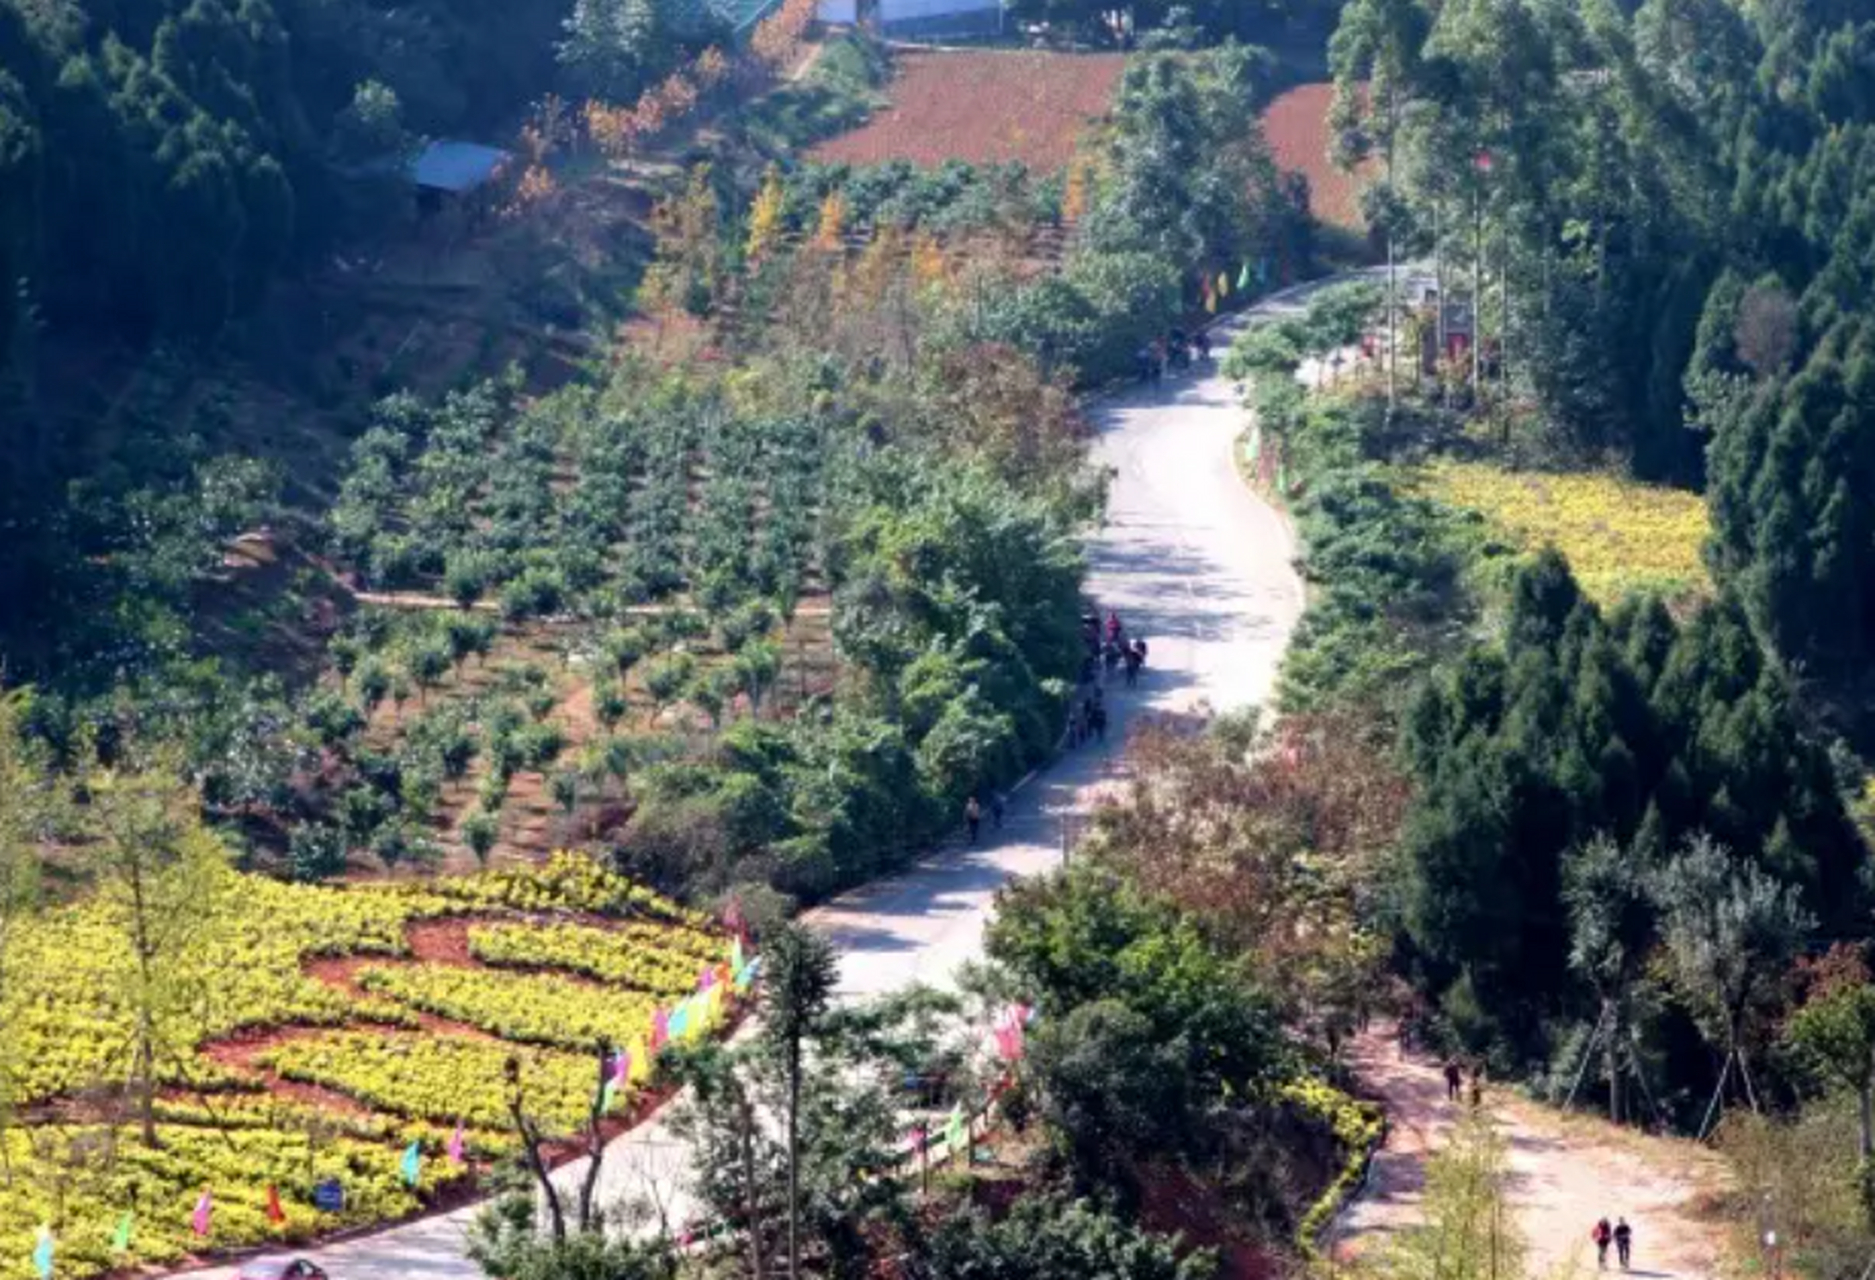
x: 1619, y: 536
x: 270, y: 990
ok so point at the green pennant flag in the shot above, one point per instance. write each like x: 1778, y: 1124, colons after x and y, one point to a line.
x: 956, y: 1133
x: 126, y: 1228
x: 611, y: 1092
x: 1243, y: 278
x: 412, y: 1164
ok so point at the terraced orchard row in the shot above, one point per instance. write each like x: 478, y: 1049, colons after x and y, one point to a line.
x: 325, y: 1057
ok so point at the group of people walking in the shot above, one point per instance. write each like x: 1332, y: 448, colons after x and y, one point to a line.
x: 1622, y: 1236
x: 1108, y: 648
x: 1173, y: 351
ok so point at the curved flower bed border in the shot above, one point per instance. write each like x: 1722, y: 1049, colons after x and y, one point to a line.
x: 1360, y: 1126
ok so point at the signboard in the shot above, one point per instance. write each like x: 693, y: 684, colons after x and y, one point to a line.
x: 329, y: 1196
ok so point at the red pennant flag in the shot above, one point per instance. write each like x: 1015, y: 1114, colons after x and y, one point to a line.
x: 275, y: 1214
x: 1483, y: 161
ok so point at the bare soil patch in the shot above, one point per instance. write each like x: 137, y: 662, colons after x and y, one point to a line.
x: 1296, y: 125
x: 984, y: 107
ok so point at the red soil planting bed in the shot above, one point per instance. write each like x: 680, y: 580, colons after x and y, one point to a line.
x: 983, y: 107
x: 1296, y: 124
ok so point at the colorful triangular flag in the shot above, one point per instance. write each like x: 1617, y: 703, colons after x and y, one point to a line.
x: 43, y: 1249
x: 707, y: 978
x: 457, y: 1151
x: 126, y: 1230
x: 411, y: 1166
x: 203, y: 1219
x: 735, y: 955
x: 1243, y: 278
x: 275, y: 1213
x: 1223, y: 284
x: 956, y: 1132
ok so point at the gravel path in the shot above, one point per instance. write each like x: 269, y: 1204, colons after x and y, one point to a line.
x: 1566, y: 1171
x: 1194, y: 563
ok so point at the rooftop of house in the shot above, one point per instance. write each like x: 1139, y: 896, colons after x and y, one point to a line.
x: 456, y: 167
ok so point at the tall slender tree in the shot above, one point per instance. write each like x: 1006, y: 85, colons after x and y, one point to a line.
x: 799, y: 971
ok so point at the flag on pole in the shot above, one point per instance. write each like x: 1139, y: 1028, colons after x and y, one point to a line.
x: 411, y: 1166
x: 679, y: 1021
x: 1223, y: 284
x: 641, y: 1062
x: 750, y: 971
x: 617, y: 1081
x: 457, y: 1154
x: 1243, y: 278
x: 42, y: 1252
x: 707, y: 978
x: 276, y: 1214
x: 736, y: 958
x: 126, y: 1228
x: 204, y: 1216
x: 956, y: 1131
x: 1210, y: 297
x: 660, y: 1028
x: 1483, y: 161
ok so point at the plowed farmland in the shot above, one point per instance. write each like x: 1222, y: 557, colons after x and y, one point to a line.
x: 1296, y: 124
x: 983, y: 107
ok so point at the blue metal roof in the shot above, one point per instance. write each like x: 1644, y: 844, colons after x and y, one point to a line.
x: 456, y: 166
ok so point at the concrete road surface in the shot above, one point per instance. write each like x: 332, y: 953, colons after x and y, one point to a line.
x: 1196, y: 565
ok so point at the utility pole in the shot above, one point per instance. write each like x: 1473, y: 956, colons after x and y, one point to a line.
x: 1438, y: 284
x: 1483, y: 163
x: 1393, y: 302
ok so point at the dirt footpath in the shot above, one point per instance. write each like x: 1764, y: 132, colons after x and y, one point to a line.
x: 1566, y: 1172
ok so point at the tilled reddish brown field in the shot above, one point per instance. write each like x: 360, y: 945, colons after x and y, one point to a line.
x: 984, y: 107
x: 1296, y: 124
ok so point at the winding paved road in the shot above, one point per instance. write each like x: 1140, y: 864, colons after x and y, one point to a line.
x: 1194, y: 563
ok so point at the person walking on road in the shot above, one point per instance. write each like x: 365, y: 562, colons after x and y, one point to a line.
x: 1454, y: 1077
x: 1624, y: 1241
x: 1601, y: 1233
x: 973, y: 817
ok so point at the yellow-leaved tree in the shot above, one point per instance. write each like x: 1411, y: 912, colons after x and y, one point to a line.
x: 832, y: 226
x: 157, y: 872
x: 765, y: 217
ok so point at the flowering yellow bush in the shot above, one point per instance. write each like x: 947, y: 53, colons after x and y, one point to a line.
x: 253, y: 968
x: 669, y: 962
x: 440, y: 1079
x: 84, y: 1178
x: 1618, y: 535
x: 524, y: 1007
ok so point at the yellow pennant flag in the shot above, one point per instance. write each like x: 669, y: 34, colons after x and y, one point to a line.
x: 1223, y: 284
